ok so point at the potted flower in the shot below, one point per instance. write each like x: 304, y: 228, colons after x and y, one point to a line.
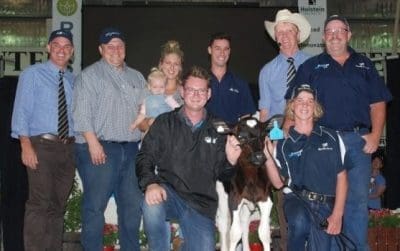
x: 72, y: 216
x: 254, y: 240
x: 72, y: 220
x: 142, y: 240
x: 384, y: 227
x: 383, y: 218
x: 110, y: 236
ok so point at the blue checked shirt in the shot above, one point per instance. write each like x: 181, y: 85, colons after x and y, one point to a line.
x: 36, y: 101
x: 273, y: 82
x: 107, y: 102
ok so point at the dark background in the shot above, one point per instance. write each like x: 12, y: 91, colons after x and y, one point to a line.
x: 147, y: 28
x: 391, y: 169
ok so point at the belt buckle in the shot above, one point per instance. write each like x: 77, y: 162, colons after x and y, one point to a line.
x: 67, y: 140
x: 313, y: 196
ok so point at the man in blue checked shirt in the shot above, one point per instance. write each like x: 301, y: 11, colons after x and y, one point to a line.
x: 47, y: 147
x: 107, y: 95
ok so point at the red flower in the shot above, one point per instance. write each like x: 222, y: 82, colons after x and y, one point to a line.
x: 110, y: 235
x: 253, y: 227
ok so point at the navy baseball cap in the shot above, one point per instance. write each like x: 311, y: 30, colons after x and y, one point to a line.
x: 110, y: 33
x: 336, y: 17
x: 61, y: 33
x: 303, y: 87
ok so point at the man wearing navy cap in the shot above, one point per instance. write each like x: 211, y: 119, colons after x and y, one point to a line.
x: 354, y: 98
x: 107, y: 95
x: 42, y: 121
x: 310, y: 163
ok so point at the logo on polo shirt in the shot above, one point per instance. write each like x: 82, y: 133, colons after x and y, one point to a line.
x: 210, y: 140
x: 362, y: 65
x: 323, y: 66
x: 295, y: 154
x: 325, y: 147
x: 233, y: 90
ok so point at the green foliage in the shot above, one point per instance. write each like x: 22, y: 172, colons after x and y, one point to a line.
x: 110, y: 235
x: 390, y: 221
x: 253, y: 232
x: 383, y: 218
x: 274, y: 221
x: 72, y: 216
x: 253, y: 237
x: 142, y: 238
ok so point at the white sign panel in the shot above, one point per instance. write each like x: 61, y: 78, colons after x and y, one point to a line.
x: 16, y: 59
x: 67, y: 15
x: 315, y: 12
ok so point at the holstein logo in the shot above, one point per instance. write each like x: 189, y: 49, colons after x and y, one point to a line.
x: 67, y: 7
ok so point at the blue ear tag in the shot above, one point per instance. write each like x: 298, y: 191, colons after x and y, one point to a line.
x: 276, y: 133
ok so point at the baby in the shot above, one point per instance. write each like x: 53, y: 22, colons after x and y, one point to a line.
x: 157, y: 102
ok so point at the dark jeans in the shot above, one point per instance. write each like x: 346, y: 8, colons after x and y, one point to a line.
x: 49, y: 188
x: 303, y: 218
x: 358, y: 164
x: 197, y: 229
x: 116, y: 177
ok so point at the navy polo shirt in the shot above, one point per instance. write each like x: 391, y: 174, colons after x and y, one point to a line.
x: 230, y: 99
x: 345, y: 92
x: 311, y: 162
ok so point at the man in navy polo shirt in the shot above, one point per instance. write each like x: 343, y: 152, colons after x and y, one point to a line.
x: 230, y: 100
x: 230, y: 95
x: 310, y: 161
x: 354, y: 98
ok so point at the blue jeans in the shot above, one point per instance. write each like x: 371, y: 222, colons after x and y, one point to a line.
x: 198, y: 230
x: 303, y: 219
x: 358, y: 165
x: 116, y: 177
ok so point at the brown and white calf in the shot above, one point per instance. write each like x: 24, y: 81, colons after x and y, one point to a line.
x: 249, y: 189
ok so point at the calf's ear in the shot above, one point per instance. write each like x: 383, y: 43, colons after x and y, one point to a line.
x: 221, y: 127
x: 276, y: 119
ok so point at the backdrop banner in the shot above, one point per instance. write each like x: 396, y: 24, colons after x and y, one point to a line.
x: 67, y: 14
x: 315, y: 12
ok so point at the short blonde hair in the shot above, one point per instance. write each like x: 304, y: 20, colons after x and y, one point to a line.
x: 317, y: 114
x: 156, y: 73
x: 171, y: 47
x: 197, y: 72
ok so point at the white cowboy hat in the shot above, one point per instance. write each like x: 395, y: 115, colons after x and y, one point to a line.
x: 295, y: 18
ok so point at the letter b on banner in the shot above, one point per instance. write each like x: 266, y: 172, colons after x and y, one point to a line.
x: 66, y: 25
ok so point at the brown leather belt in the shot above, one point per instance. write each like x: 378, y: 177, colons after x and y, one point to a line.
x: 55, y: 138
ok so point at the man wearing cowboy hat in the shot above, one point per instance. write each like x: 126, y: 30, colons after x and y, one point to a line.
x: 354, y: 98
x: 288, y: 30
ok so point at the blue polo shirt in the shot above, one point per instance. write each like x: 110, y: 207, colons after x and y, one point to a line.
x: 345, y: 92
x: 311, y: 162
x: 230, y: 99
